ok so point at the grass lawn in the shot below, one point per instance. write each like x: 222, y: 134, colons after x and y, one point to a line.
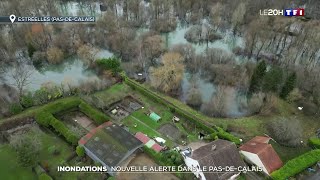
x: 50, y: 160
x: 10, y: 168
x: 287, y: 153
x: 113, y: 94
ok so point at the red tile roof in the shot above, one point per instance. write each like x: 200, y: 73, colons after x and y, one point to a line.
x: 157, y: 147
x: 142, y: 137
x: 259, y: 145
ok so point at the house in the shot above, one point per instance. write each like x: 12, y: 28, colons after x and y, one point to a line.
x: 216, y: 153
x: 154, y: 116
x: 110, y: 145
x: 257, y: 151
x: 148, y: 142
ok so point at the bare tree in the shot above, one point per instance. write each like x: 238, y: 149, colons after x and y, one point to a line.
x: 21, y: 77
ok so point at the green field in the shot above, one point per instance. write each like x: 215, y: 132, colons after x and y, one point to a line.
x: 10, y: 168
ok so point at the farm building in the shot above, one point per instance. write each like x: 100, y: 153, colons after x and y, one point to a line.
x: 257, y: 151
x: 109, y: 145
x: 217, y: 153
x: 154, y: 116
x: 148, y: 142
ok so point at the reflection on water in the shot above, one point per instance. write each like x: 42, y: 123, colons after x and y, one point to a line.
x: 72, y: 70
x: 206, y: 88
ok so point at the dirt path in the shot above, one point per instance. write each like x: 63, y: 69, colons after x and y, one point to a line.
x: 144, y: 160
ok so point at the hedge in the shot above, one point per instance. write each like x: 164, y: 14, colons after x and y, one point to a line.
x: 201, y: 124
x: 46, y: 119
x: 297, y: 165
x: 62, y: 105
x: 314, y: 142
x: 93, y: 113
x: 44, y: 176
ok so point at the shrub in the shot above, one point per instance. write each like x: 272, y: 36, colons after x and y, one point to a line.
x: 53, y: 150
x: 112, y: 64
x: 80, y: 151
x: 294, y: 96
x: 27, y: 100
x: 93, y: 113
x: 54, y: 55
x: 40, y: 96
x: 286, y: 131
x: 297, y: 165
x: 314, y: 142
x: 16, y: 108
x: 44, y: 176
x: 27, y: 149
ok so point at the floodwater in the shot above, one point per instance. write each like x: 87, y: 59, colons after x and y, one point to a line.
x: 227, y: 43
x: 72, y: 70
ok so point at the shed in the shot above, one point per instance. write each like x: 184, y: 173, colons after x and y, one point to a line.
x: 154, y: 116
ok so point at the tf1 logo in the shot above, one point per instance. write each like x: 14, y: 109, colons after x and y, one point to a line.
x: 294, y: 12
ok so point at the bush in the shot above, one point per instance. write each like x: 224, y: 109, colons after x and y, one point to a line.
x: 297, y: 165
x: 294, y: 96
x: 27, y: 100
x: 16, y: 108
x: 44, y: 176
x: 53, y: 150
x: 112, y: 64
x: 314, y: 142
x: 93, y: 113
x: 286, y: 131
x: 80, y: 151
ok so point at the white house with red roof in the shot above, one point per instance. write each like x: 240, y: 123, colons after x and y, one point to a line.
x: 259, y: 152
x: 150, y: 143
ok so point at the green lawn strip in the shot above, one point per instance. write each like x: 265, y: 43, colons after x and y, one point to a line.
x: 144, y: 128
x: 10, y: 168
x: 315, y: 142
x: 146, y: 119
x: 192, y: 136
x: 114, y: 93
x: 297, y: 165
x: 288, y: 153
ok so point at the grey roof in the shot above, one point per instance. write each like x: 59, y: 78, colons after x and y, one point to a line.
x: 218, y: 153
x: 111, y: 144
